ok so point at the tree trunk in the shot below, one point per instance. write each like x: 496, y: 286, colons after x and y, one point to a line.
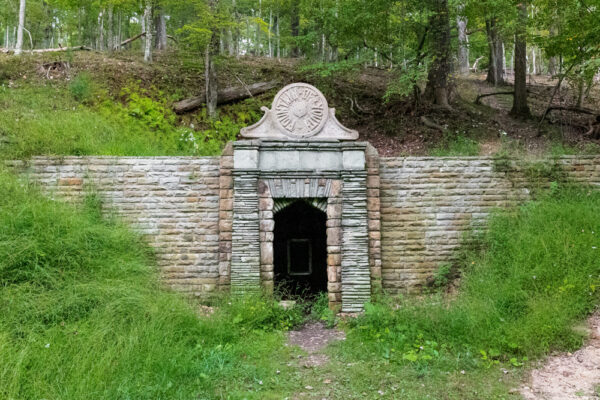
x: 210, y: 71
x: 278, y: 37
x: 520, y: 107
x: 148, y: 44
x: 161, y: 30
x: 270, y: 26
x: 110, y: 32
x: 437, y: 80
x: 495, y: 71
x: 295, y: 26
x: 463, y: 41
x: 19, y: 46
x: 100, y: 44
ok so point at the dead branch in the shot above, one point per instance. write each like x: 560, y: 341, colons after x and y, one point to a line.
x: 131, y: 39
x: 556, y: 88
x: 481, y: 96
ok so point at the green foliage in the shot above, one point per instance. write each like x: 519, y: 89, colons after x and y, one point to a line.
x: 453, y: 145
x: 84, y: 315
x: 405, y: 82
x: 320, y: 311
x: 81, y: 88
x: 536, y: 274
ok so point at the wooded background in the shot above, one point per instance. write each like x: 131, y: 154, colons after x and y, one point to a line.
x: 422, y: 41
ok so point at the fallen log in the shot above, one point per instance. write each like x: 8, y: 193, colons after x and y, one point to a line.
x: 225, y: 96
x: 74, y: 48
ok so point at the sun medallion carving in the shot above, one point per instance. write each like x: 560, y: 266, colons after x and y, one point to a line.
x: 300, y: 110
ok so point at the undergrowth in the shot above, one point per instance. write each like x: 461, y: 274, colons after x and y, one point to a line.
x: 535, y: 274
x: 84, y: 316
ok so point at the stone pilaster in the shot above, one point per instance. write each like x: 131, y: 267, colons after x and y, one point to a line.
x: 356, y: 277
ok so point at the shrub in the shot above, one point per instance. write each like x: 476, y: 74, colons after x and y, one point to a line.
x: 81, y: 88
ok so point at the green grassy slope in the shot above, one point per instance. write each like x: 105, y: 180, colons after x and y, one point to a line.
x: 533, y: 277
x: 83, y: 316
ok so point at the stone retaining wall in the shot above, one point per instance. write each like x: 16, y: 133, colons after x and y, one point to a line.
x: 417, y: 209
x: 173, y: 201
x: 427, y: 204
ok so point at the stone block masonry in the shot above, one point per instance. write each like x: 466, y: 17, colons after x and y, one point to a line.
x: 172, y: 201
x: 417, y: 211
x: 428, y: 204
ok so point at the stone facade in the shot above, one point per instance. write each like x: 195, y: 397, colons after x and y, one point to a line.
x: 417, y: 210
x: 172, y: 201
x: 428, y: 204
x: 373, y: 223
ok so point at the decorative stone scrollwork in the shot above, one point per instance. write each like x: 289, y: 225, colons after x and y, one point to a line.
x: 299, y: 111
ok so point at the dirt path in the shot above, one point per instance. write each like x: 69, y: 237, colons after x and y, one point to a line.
x: 312, y: 338
x: 569, y: 376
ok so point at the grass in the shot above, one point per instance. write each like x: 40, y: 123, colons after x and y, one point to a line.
x: 49, y: 120
x: 454, y: 146
x: 533, y: 277
x: 83, y: 316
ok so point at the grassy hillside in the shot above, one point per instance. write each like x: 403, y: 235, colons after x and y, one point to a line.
x: 119, y: 105
x: 526, y: 285
x: 84, y: 317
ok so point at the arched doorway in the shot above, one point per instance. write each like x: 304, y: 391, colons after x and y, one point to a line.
x: 300, y: 249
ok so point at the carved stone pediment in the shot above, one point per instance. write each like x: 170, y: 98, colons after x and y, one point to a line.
x: 299, y: 111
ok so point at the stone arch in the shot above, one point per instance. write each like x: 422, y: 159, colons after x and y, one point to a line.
x: 281, y: 204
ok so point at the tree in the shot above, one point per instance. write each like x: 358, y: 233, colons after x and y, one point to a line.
x: 295, y: 26
x: 520, y: 107
x: 19, y: 46
x: 148, y: 24
x: 463, y: 40
x: 210, y: 71
x: 437, y: 80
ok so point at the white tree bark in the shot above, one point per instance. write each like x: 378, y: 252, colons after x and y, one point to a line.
x: 148, y: 44
x: 463, y: 41
x: 19, y: 46
x: 111, y: 37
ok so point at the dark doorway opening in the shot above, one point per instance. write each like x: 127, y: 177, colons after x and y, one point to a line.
x: 300, y: 250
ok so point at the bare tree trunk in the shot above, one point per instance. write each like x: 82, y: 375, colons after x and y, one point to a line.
x: 258, y: 27
x: 161, y: 30
x: 495, y: 72
x: 270, y: 27
x: 463, y: 41
x: 148, y: 44
x: 295, y: 26
x: 437, y: 80
x: 19, y: 46
x: 100, y: 41
x: 210, y: 71
x: 278, y: 38
x: 520, y: 107
x: 110, y: 32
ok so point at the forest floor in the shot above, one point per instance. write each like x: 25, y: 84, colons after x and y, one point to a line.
x: 393, y: 125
